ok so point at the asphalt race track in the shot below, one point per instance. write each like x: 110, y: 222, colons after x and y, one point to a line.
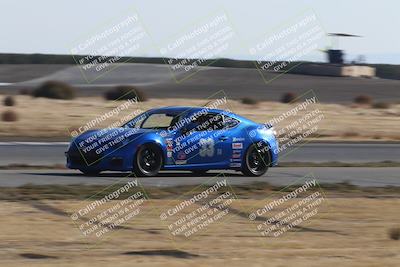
x: 53, y: 153
x: 371, y: 177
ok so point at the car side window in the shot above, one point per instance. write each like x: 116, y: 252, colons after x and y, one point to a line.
x: 136, y: 122
x: 157, y: 120
x: 230, y: 122
x: 209, y: 122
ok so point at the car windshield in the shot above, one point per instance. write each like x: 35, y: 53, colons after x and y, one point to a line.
x: 158, y: 120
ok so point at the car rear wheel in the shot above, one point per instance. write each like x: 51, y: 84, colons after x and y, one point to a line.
x: 148, y: 160
x: 257, y: 160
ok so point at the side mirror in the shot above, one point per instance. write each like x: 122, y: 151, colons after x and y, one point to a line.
x: 184, y: 130
x: 230, y: 124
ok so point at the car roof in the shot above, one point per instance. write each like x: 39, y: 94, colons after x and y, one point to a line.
x: 180, y: 109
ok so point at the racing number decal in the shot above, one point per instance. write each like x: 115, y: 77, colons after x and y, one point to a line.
x: 207, y: 147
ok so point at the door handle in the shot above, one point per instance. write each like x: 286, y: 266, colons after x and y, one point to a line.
x: 223, y: 138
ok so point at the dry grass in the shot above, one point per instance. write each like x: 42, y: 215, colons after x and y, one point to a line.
x: 350, y: 232
x: 53, y: 118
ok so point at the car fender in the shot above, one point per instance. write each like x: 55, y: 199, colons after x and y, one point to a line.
x: 149, y: 138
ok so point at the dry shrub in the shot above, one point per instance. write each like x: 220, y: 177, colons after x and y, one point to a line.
x: 9, y: 101
x: 288, y: 97
x: 394, y: 233
x: 363, y: 100
x: 25, y: 91
x: 125, y: 92
x: 9, y: 116
x: 249, y: 101
x: 381, y: 105
x: 350, y: 134
x: 55, y: 90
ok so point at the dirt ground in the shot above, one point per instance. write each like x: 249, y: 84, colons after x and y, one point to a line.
x: 350, y: 231
x: 46, y: 118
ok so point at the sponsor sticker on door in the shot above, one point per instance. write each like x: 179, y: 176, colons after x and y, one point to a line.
x: 237, y: 145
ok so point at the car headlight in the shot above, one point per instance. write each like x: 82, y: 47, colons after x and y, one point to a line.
x: 274, y: 132
x: 70, y: 144
x: 269, y: 131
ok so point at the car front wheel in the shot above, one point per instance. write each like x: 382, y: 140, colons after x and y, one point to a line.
x: 148, y: 160
x: 257, y: 160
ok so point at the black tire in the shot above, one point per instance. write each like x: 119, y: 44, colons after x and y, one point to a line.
x: 148, y: 160
x: 257, y: 160
x: 199, y: 172
x: 90, y: 172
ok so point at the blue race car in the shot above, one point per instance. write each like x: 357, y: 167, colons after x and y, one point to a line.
x: 177, y: 138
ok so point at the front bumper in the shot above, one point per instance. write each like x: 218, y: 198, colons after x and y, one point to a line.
x: 274, y: 149
x: 112, y: 162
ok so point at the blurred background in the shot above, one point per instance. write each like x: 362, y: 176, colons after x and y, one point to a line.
x: 64, y: 63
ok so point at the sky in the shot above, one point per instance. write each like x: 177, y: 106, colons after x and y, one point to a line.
x: 48, y: 26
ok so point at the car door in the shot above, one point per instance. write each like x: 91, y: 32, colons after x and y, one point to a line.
x: 203, y: 141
